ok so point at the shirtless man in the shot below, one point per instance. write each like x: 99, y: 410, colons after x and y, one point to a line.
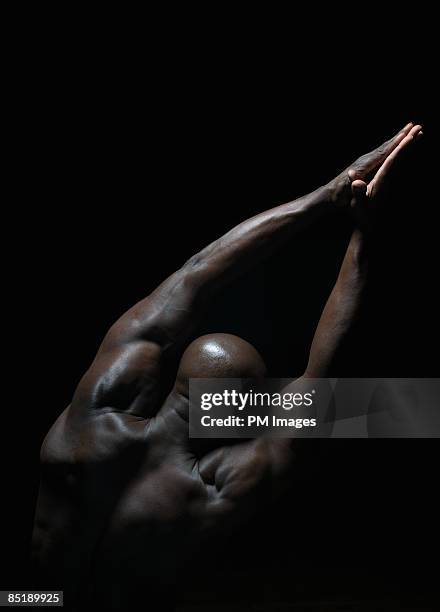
x: 126, y: 497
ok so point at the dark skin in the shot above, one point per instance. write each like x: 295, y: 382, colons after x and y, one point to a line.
x: 126, y: 497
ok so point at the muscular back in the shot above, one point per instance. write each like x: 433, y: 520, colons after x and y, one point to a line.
x: 134, y: 497
x: 125, y: 495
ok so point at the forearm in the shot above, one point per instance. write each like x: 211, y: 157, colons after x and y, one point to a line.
x: 170, y: 312
x: 167, y: 314
x: 342, y: 308
x: 254, y: 239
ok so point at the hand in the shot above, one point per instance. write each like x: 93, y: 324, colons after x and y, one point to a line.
x: 377, y: 162
x: 363, y: 193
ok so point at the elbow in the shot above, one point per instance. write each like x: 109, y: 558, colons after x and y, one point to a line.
x: 194, y: 274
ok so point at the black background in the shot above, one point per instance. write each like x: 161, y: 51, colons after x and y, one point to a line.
x: 130, y: 163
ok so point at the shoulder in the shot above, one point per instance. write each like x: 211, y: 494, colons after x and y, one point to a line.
x: 120, y: 375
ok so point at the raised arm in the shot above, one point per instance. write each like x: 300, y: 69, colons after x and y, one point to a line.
x: 127, y: 371
x: 341, y: 310
x: 342, y: 307
x: 166, y: 316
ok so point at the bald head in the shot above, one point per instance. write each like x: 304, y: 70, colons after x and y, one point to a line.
x: 219, y: 356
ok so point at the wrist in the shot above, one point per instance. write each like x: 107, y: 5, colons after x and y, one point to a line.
x: 339, y: 191
x: 318, y: 199
x: 358, y: 247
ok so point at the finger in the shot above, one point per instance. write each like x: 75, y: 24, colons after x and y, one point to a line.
x: 359, y: 193
x: 385, y: 167
x: 359, y: 188
x: 370, y: 161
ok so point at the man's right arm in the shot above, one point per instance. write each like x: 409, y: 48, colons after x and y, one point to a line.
x: 342, y: 308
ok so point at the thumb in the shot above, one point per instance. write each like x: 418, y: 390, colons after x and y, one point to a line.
x: 359, y: 193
